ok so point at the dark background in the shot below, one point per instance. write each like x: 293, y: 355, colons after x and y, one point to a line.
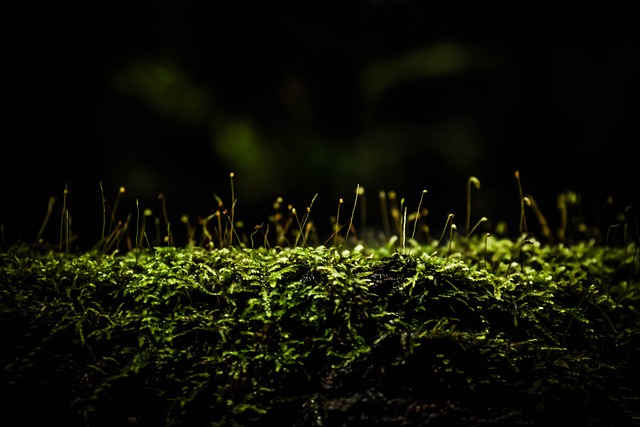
x: 171, y: 97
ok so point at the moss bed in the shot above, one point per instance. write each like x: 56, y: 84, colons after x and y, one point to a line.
x: 278, y: 327
x: 493, y: 331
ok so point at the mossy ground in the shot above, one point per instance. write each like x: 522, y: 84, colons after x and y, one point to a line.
x: 280, y: 327
x: 495, y: 332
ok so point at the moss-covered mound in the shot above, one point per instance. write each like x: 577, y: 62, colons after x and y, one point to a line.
x: 496, y: 332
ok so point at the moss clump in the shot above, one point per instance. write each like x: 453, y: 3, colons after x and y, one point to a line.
x: 488, y: 331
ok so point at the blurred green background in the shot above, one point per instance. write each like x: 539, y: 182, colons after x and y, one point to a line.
x: 170, y: 97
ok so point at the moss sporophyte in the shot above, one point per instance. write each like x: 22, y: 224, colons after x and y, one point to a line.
x: 278, y: 326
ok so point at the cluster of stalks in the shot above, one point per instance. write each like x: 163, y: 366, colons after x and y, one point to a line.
x: 287, y: 228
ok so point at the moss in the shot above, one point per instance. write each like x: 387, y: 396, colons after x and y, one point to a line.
x: 323, y: 335
x: 278, y: 325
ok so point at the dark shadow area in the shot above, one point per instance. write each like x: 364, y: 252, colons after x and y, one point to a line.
x: 386, y: 95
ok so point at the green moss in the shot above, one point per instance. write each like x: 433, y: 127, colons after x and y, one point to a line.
x: 276, y: 325
x: 507, y: 331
